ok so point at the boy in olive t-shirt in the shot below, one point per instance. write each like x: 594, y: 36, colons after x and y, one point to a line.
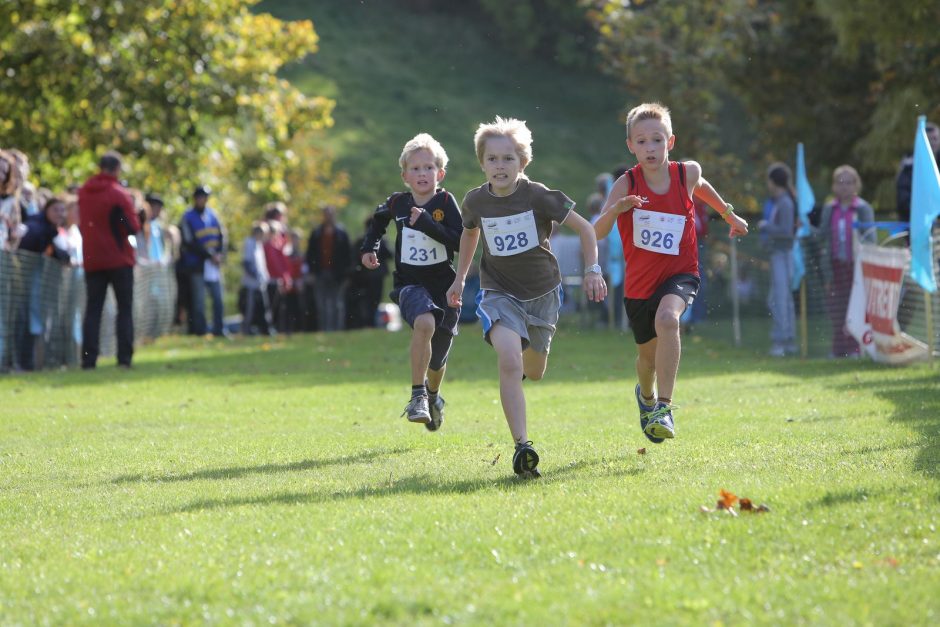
x: 520, y: 282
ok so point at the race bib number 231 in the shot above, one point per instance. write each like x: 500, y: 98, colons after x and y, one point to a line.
x: 417, y: 249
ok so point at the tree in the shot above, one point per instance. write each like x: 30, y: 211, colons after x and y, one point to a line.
x: 177, y: 85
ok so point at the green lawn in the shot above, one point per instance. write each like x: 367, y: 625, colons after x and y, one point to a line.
x: 395, y: 72
x: 275, y: 483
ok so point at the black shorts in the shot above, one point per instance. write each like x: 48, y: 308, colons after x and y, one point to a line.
x: 414, y: 300
x: 642, y: 311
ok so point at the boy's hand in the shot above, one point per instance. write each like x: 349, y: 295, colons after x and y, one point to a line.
x: 627, y: 203
x: 594, y: 287
x: 415, y: 214
x: 370, y: 261
x: 455, y: 294
x: 738, y: 225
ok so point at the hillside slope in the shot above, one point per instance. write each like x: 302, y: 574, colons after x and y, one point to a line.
x: 394, y: 74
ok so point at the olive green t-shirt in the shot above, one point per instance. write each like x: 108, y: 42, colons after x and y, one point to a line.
x: 517, y: 258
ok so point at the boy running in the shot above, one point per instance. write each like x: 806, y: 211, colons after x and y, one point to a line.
x: 428, y: 227
x: 652, y: 206
x: 519, y: 278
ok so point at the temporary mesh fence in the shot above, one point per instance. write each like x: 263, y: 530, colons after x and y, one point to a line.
x: 42, y: 305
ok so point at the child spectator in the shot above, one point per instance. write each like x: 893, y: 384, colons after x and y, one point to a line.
x: 780, y: 229
x: 428, y: 228
x: 255, y: 278
x: 520, y: 280
x: 652, y: 204
x: 836, y: 238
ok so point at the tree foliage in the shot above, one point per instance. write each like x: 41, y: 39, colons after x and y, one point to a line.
x: 188, y: 90
x: 845, y: 77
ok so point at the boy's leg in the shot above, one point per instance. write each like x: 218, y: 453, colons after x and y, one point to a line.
x: 646, y: 368
x: 508, y: 345
x: 668, y: 345
x: 421, y: 347
x: 534, y: 364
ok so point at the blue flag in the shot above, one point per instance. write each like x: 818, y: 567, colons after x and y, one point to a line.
x: 805, y: 199
x: 925, y: 206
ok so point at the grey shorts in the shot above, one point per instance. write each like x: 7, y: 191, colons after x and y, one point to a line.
x: 534, y: 320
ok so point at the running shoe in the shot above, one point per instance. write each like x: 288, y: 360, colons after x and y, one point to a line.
x: 417, y: 409
x: 660, y: 423
x: 525, y: 461
x: 645, y: 411
x: 437, y: 414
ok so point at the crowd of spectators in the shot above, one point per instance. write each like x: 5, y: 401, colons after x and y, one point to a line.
x: 101, y: 233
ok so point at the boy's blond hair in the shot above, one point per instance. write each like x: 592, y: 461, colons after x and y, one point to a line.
x: 423, y: 141
x: 649, y: 111
x: 515, y: 130
x: 847, y: 169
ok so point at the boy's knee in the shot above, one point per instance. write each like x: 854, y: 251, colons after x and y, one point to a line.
x: 510, y: 364
x: 666, y: 321
x: 425, y: 324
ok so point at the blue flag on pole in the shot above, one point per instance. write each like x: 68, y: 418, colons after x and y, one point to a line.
x: 805, y: 199
x: 925, y: 206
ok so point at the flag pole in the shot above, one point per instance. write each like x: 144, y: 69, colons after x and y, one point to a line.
x: 735, y: 306
x: 928, y: 311
x: 804, y: 337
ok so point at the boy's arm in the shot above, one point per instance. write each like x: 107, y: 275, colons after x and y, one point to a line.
x: 703, y: 190
x: 594, y: 287
x: 468, y: 246
x: 447, y: 232
x: 373, y: 239
x: 617, y: 202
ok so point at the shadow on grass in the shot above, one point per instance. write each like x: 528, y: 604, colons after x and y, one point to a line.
x: 236, y: 472
x: 423, y: 484
x: 916, y: 404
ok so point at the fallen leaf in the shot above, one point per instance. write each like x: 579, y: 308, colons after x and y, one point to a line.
x: 495, y: 459
x: 746, y: 505
x: 727, y: 500
x: 731, y: 512
x: 762, y: 508
x: 704, y: 509
x: 641, y: 451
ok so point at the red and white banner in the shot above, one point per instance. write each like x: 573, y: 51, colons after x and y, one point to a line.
x: 872, y: 316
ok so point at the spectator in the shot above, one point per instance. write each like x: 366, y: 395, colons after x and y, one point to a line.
x: 836, y: 236
x: 42, y: 238
x: 365, y: 286
x: 328, y: 257
x: 159, y: 249
x: 203, y: 243
x: 256, y: 315
x: 275, y: 255
x: 696, y: 313
x: 107, y: 218
x: 10, y: 215
x: 905, y: 176
x: 293, y: 298
x: 595, y: 203
x: 780, y: 230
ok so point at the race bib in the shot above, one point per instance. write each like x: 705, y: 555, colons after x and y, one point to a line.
x: 657, y: 232
x: 511, y: 235
x: 417, y: 249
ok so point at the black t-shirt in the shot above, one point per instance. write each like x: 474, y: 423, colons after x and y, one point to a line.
x: 415, y: 258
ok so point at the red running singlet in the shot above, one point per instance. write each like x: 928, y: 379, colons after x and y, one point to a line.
x: 647, y: 269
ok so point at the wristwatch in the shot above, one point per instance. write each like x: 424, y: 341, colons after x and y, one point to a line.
x: 596, y: 269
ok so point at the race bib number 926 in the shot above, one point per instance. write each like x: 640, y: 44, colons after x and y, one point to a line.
x: 657, y: 232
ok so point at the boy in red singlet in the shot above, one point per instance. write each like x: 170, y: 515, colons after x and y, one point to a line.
x: 652, y: 207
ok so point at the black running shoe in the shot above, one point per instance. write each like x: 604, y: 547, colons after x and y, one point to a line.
x: 525, y: 461
x: 436, y: 410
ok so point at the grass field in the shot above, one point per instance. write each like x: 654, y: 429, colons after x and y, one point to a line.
x: 271, y: 483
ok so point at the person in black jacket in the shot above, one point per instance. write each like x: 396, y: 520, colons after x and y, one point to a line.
x: 328, y: 259
x: 905, y: 177
x: 42, y: 238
